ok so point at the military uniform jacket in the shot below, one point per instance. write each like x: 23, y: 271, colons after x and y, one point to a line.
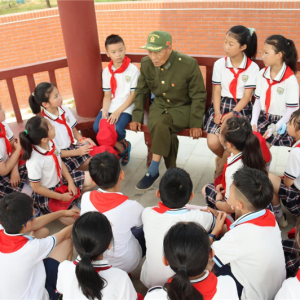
x: 178, y: 88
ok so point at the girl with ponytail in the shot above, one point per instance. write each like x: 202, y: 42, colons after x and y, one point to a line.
x: 91, y: 277
x: 245, y: 149
x: 187, y: 251
x: 277, y: 91
x: 234, y: 80
x: 75, y: 148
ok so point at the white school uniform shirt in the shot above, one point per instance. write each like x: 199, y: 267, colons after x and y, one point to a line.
x: 126, y: 82
x: 284, y: 94
x: 254, y: 251
x: 292, y: 169
x: 156, y: 225
x: 223, y: 76
x: 290, y: 289
x: 234, y: 163
x: 118, y: 284
x: 41, y: 168
x: 126, y: 252
x: 62, y: 138
x: 225, y: 289
x: 10, y: 135
x: 23, y: 274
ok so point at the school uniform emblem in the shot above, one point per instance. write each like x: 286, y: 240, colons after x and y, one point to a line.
x: 68, y: 119
x: 280, y: 90
x: 127, y: 78
x: 245, y: 78
x: 56, y: 152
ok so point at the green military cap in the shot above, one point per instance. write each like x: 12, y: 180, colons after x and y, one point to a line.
x: 158, y: 40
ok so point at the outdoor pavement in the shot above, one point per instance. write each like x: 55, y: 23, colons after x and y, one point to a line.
x: 195, y: 157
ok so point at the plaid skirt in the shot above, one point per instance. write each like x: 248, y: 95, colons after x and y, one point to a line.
x: 211, y: 193
x: 279, y: 139
x: 227, y: 105
x: 74, y: 162
x: 292, y: 257
x: 42, y: 203
x: 5, y: 186
x: 290, y: 197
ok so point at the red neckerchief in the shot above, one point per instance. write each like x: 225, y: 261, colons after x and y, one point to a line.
x: 223, y: 181
x: 267, y: 220
x: 288, y: 73
x: 233, y: 83
x: 161, y: 209
x: 11, y: 243
x: 298, y: 275
x: 113, y: 81
x: 51, y: 153
x: 7, y: 142
x: 63, y: 122
x: 98, y: 269
x: 206, y: 287
x: 104, y: 202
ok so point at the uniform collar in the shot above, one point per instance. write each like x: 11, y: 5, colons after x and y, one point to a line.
x: 54, y: 117
x: 103, y: 191
x: 248, y: 217
x: 169, y: 62
x: 233, y: 158
x: 201, y: 278
x: 99, y: 265
x: 278, y: 77
x: 241, y: 66
x: 296, y: 144
x: 42, y: 150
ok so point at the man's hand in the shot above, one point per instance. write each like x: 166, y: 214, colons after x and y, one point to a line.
x: 195, y: 133
x: 135, y: 126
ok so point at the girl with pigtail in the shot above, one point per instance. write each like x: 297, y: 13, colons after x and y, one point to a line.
x: 91, y: 277
x: 47, y: 100
x: 187, y: 251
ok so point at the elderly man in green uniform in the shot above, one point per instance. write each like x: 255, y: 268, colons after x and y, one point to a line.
x: 180, y: 96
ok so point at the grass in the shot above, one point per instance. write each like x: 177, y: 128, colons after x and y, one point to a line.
x: 11, y: 6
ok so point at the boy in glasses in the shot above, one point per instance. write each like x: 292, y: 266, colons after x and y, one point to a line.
x: 29, y: 265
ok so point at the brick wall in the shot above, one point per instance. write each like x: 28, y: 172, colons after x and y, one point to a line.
x: 197, y: 27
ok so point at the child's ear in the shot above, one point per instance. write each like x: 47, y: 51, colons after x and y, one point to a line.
x: 165, y: 262
x: 240, y: 205
x: 109, y: 246
x: 157, y: 194
x: 122, y: 175
x: 46, y: 104
x: 244, y: 47
x: 192, y: 196
x: 44, y: 140
x: 107, y: 54
x: 211, y: 253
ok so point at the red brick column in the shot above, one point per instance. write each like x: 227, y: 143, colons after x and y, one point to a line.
x: 79, y: 28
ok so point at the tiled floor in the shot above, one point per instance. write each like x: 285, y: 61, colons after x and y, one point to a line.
x: 195, y: 157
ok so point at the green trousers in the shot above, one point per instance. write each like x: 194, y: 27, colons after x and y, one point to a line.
x: 164, y: 137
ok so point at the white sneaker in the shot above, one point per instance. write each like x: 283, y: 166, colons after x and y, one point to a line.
x: 282, y: 221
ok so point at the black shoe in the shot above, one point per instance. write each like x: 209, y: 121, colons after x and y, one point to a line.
x: 146, y: 182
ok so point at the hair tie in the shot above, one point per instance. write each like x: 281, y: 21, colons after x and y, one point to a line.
x: 182, y: 268
x: 32, y: 94
x: 87, y: 255
x: 252, y: 30
x: 26, y: 132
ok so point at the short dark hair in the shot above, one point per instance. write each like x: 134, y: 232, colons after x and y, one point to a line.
x: 295, y: 119
x: 15, y: 209
x: 255, y: 186
x: 105, y: 170
x: 175, y: 188
x: 113, y: 39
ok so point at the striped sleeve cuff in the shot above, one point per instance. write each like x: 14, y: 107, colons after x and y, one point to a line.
x: 74, y: 125
x: 106, y: 90
x: 289, y: 176
x: 256, y: 96
x: 12, y: 138
x: 250, y: 86
x: 53, y: 246
x: 218, y: 262
x: 34, y: 180
x: 212, y: 224
x: 216, y: 82
x: 292, y: 104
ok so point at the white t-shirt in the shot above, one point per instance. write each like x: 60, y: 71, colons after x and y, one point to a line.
x: 23, y: 274
x: 223, y: 76
x: 126, y: 82
x: 118, y: 284
x: 62, y: 138
x: 283, y: 94
x: 156, y: 225
x: 290, y: 289
x: 41, y: 168
x: 225, y: 288
x: 254, y: 251
x: 9, y: 134
x: 126, y: 252
x: 292, y: 169
x: 234, y: 162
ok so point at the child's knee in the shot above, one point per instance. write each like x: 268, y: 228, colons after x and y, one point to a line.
x: 213, y: 143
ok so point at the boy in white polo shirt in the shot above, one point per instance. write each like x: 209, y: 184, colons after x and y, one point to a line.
x: 119, y: 80
x: 175, y: 191
x: 29, y: 265
x: 128, y: 246
x: 253, y: 246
